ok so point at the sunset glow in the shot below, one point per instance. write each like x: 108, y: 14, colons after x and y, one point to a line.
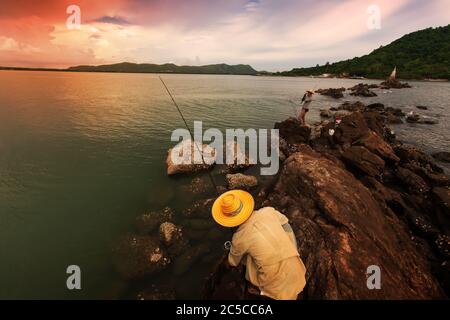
x: 267, y: 34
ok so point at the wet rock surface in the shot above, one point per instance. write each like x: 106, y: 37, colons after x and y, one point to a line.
x: 149, y: 222
x: 137, y: 256
x: 241, y: 181
x: 394, y: 84
x: 332, y: 92
x: 363, y: 90
x: 191, y: 157
x: 443, y: 156
x: 355, y: 198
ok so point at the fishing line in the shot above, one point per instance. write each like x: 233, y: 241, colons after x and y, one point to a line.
x: 192, y: 136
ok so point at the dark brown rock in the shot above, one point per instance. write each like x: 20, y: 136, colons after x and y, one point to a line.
x: 412, y: 181
x: 364, y: 160
x: 293, y: 132
x: 392, y: 83
x: 336, y: 219
x: 375, y: 144
x: 443, y: 156
x: 137, y: 256
x: 332, y: 92
x: 362, y: 90
x: 149, y: 222
x: 351, y: 128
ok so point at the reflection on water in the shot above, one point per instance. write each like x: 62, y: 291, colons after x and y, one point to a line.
x: 82, y: 154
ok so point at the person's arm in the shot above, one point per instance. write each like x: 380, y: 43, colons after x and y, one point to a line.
x: 238, y: 249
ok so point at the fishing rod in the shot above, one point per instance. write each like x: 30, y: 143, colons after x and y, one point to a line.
x: 295, y: 103
x: 192, y: 136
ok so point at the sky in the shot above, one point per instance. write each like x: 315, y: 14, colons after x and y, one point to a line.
x: 272, y: 35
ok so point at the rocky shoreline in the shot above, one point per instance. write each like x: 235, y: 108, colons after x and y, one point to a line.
x: 355, y: 196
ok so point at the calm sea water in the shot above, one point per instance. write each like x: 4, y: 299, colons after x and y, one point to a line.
x: 82, y: 154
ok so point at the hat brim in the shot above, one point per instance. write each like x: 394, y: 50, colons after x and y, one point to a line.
x: 248, y: 205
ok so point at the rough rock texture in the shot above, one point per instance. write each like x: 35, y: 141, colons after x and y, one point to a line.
x: 189, y: 157
x: 364, y: 160
x: 332, y: 92
x: 292, y: 131
x: 171, y: 236
x: 394, y: 84
x: 137, y: 256
x: 342, y: 230
x: 362, y: 90
x: 148, y: 222
x: 355, y: 198
x: 240, y: 159
x: 241, y: 181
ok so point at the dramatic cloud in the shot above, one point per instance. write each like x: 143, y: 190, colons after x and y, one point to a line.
x: 113, y: 20
x: 268, y: 34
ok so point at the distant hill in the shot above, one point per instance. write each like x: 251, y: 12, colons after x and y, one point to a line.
x: 417, y: 55
x: 240, y: 69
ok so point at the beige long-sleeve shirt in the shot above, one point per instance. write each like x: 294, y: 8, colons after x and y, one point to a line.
x: 268, y: 247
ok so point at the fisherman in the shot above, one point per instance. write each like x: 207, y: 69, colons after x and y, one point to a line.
x: 264, y: 242
x: 306, y: 100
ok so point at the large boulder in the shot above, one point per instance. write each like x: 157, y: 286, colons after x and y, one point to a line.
x: 293, y: 132
x: 351, y: 128
x: 188, y: 157
x: 374, y: 143
x: 239, y: 157
x: 137, y: 256
x: 342, y: 230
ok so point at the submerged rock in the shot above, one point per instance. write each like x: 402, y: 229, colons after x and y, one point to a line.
x: 412, y: 117
x: 199, y: 185
x: 189, y: 158
x: 185, y: 261
x: 156, y: 293
x: 172, y: 237
x: 136, y: 256
x: 241, y: 181
x: 199, y: 209
x: 443, y: 156
x: 422, y: 107
x: 148, y: 222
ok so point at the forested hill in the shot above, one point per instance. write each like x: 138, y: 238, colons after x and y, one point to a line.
x: 168, y: 68
x: 419, y: 55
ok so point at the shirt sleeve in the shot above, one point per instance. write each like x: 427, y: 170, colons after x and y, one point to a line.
x: 239, y: 247
x: 281, y: 217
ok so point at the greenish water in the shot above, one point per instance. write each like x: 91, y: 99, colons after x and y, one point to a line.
x: 82, y: 154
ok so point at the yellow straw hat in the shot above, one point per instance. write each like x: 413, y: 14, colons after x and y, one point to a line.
x: 233, y: 208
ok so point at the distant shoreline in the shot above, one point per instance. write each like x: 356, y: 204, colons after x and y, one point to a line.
x: 220, y: 74
x: 126, y: 72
